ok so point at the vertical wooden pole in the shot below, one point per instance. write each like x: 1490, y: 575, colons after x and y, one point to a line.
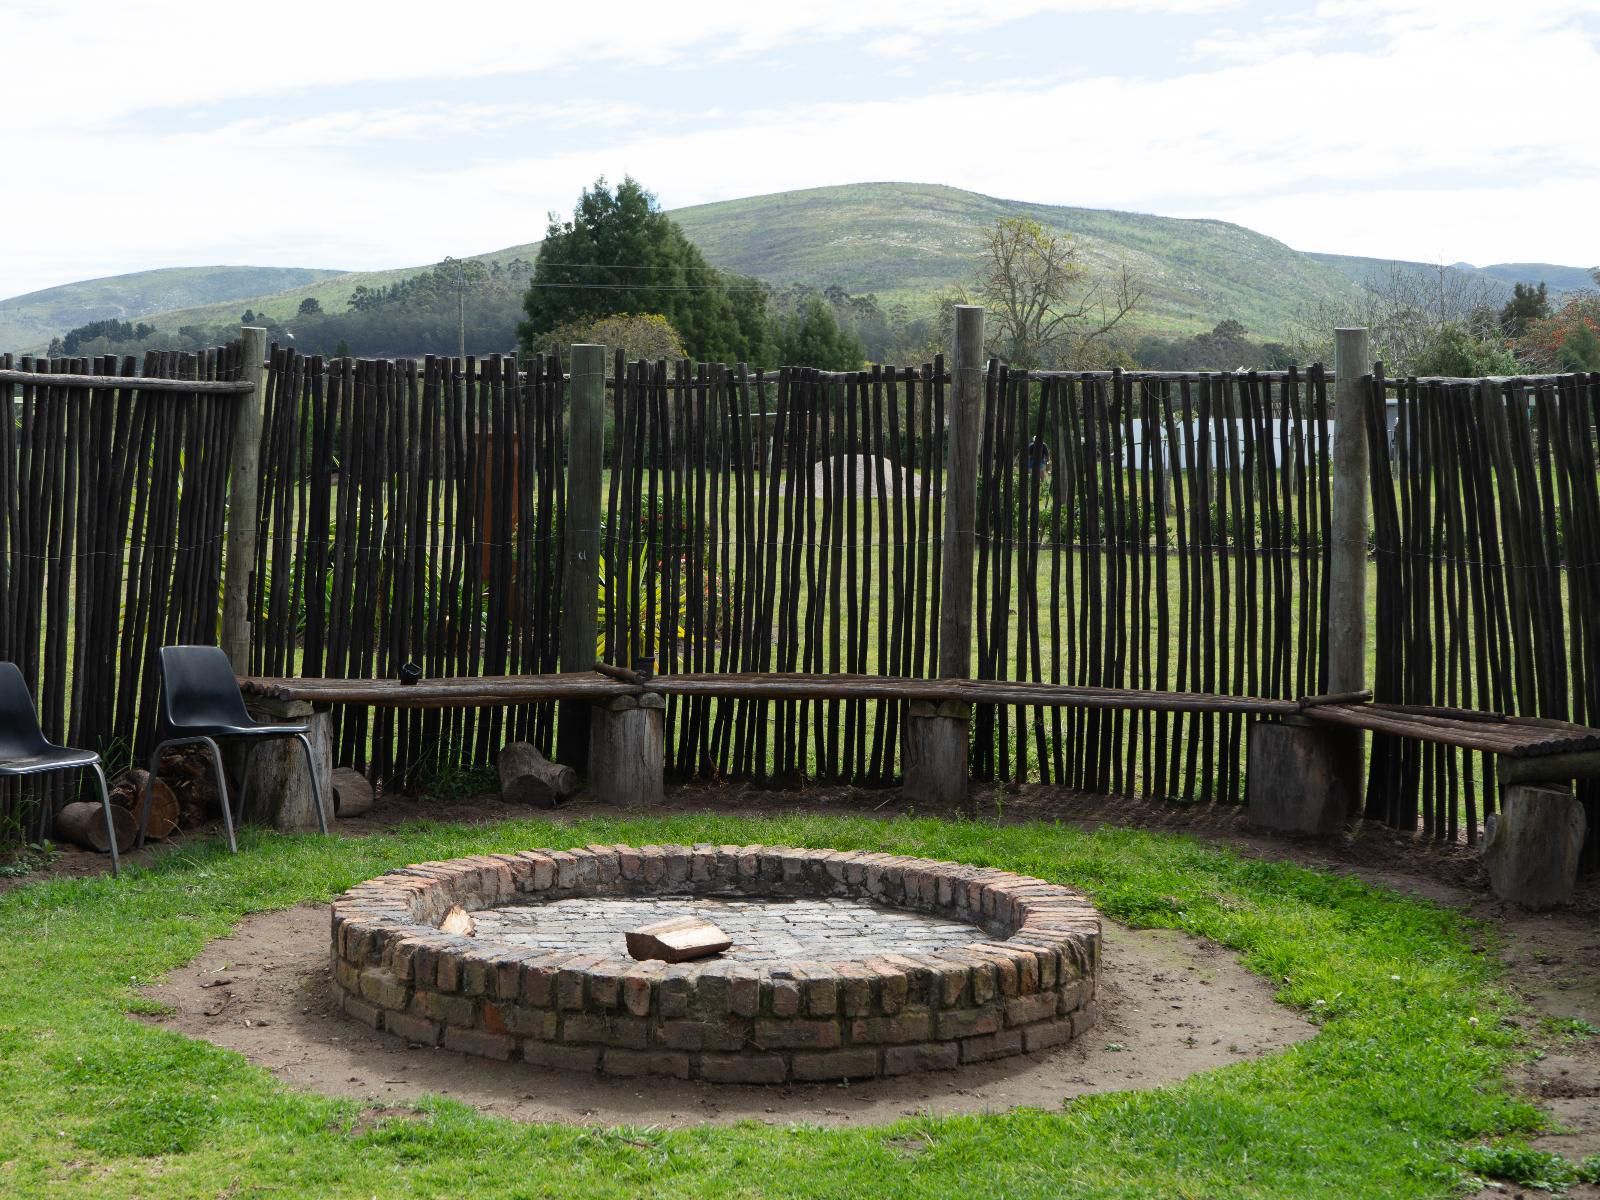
x: 1347, y: 559
x: 580, y: 587
x: 1347, y: 556
x: 936, y: 736
x: 961, y: 494
x: 244, y: 473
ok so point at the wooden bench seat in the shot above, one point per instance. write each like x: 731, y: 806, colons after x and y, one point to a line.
x: 1526, y: 749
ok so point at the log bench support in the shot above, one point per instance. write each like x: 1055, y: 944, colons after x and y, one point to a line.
x: 937, y: 741
x: 276, y: 791
x: 1302, y: 777
x: 1534, y: 845
x: 626, y: 758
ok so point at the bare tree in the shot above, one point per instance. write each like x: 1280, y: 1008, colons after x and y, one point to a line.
x: 1043, y: 307
x: 1406, y: 311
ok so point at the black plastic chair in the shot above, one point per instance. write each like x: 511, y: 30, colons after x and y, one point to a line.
x: 24, y: 750
x: 201, y: 704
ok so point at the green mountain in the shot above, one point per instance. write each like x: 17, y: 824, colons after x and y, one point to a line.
x: 1497, y: 279
x: 30, y: 321
x: 906, y: 242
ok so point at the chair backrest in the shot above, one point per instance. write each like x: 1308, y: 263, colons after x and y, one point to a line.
x: 20, y: 735
x: 198, y: 688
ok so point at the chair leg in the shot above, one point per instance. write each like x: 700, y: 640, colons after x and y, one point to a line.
x: 222, y: 792
x: 244, y: 788
x: 111, y: 829
x: 316, y: 792
x: 149, y: 783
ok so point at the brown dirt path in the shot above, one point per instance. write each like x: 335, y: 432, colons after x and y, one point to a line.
x: 1170, y: 1006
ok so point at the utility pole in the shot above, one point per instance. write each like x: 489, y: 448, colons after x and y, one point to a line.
x: 461, y: 310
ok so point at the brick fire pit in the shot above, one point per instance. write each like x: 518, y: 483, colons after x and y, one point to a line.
x: 843, y: 965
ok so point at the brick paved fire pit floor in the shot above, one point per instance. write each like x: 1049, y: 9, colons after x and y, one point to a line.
x: 843, y: 964
x: 767, y: 931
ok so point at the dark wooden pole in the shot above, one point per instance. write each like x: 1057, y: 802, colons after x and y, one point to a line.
x: 581, y: 542
x: 1347, y: 566
x: 961, y: 494
x: 936, y: 737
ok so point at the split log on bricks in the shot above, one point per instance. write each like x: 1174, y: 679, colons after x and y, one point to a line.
x: 164, y: 810
x: 677, y: 940
x: 1534, y: 845
x: 458, y: 921
x: 528, y: 777
x: 84, y: 824
x: 352, y: 792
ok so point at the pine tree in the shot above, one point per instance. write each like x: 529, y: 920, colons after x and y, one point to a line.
x: 619, y: 253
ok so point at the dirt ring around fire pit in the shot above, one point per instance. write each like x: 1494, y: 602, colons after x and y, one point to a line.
x: 844, y: 964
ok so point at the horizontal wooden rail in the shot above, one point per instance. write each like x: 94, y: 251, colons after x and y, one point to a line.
x: 798, y: 686
x: 147, y: 383
x: 466, y: 691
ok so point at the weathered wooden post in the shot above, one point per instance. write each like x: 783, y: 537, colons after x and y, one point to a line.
x: 1303, y: 777
x: 1347, y: 557
x: 937, y: 736
x: 580, y: 588
x: 244, y: 470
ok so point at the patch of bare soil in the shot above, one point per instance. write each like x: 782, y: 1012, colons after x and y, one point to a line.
x: 1170, y: 1006
x: 1553, y: 962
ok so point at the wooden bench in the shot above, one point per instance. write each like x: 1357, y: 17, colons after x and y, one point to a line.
x: 1303, y: 770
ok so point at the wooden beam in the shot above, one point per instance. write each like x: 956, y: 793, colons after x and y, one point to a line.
x: 215, y: 387
x: 1548, y: 768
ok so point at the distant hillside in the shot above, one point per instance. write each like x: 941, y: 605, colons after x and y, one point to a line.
x: 32, y: 320
x: 1498, y: 278
x: 907, y: 241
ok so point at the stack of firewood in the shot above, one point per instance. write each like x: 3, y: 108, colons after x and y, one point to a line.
x: 183, y: 797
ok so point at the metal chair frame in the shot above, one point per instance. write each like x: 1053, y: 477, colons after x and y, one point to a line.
x: 11, y: 679
x: 210, y: 741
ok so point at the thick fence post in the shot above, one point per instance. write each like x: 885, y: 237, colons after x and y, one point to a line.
x: 961, y: 495
x: 1299, y: 776
x: 244, y: 473
x: 580, y: 588
x: 937, y: 735
x: 1347, y: 558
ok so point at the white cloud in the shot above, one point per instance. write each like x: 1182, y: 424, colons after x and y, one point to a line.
x: 1385, y: 127
x: 108, y: 56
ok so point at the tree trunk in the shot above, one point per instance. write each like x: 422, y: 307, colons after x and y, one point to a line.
x: 1534, y: 845
x: 84, y: 824
x: 528, y: 777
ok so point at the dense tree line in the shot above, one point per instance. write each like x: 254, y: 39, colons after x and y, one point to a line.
x: 1226, y: 348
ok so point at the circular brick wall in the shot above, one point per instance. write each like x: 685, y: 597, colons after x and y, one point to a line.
x: 1025, y: 981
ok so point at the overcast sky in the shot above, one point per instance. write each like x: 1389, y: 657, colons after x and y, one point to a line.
x: 362, y: 135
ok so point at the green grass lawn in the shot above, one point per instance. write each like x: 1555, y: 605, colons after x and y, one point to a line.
x: 1405, y: 1075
